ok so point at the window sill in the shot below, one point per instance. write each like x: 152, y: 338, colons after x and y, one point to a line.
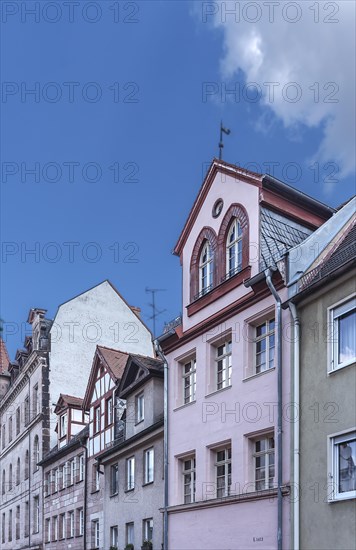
x: 129, y: 490
x: 341, y: 499
x: 139, y: 422
x: 331, y: 372
x: 94, y: 491
x: 147, y: 483
x: 258, y: 374
x: 114, y: 494
x: 218, y: 391
x: 184, y: 405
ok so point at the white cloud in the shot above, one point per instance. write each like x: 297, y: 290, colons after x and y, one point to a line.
x: 311, y: 52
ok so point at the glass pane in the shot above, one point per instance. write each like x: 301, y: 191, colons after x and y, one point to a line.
x: 347, y: 468
x: 347, y: 337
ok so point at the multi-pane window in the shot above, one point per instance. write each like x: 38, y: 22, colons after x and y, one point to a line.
x: 3, y: 528
x: 81, y: 467
x: 72, y: 471
x: 26, y: 410
x: 264, y: 342
x: 18, y: 420
x: 63, y: 425
x: 35, y: 402
x: 95, y: 478
x: 223, y: 472
x: 109, y: 410
x: 343, y: 334
x: 10, y: 525
x: 26, y: 520
x: 343, y: 466
x: 18, y: 471
x: 130, y: 473
x: 10, y: 429
x: 188, y: 470
x: 3, y: 482
x: 3, y: 432
x: 140, y: 407
x: 81, y: 522
x: 264, y: 462
x: 189, y: 381
x: 55, y: 528
x: 18, y: 524
x: 114, y: 479
x: 114, y: 536
x: 10, y: 477
x: 48, y: 530
x: 56, y: 479
x: 96, y: 533
x: 97, y: 417
x: 149, y: 465
x: 205, y: 269
x: 36, y: 514
x: 71, y: 524
x: 223, y: 365
x: 130, y: 538
x: 36, y: 453
x: 148, y: 529
x: 234, y: 249
x: 27, y: 464
x: 62, y: 526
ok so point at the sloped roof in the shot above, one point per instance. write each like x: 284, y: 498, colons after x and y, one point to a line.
x: 277, y: 236
x: 115, y: 360
x: 4, y: 356
x: 56, y: 452
x: 139, y: 368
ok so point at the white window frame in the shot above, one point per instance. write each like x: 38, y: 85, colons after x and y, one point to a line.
x: 63, y: 425
x: 114, y: 479
x: 267, y: 453
x: 334, y: 495
x: 81, y: 467
x: 96, y: 533
x: 62, y: 526
x: 189, y: 478
x: 189, y: 379
x: 226, y: 462
x: 140, y: 407
x: 226, y: 359
x: 48, y: 530
x: 334, y: 313
x: 55, y: 528
x: 81, y: 522
x: 36, y: 514
x: 130, y: 532
x: 149, y: 465
x: 236, y: 247
x: 71, y: 523
x: 55, y: 480
x: 269, y: 332
x: 206, y: 269
x: 114, y: 535
x: 130, y: 473
x: 148, y: 526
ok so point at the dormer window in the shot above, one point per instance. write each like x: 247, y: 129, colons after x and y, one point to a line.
x: 205, y: 269
x: 63, y: 425
x: 234, y: 249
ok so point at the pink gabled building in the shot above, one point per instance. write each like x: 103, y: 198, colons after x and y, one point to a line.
x: 229, y: 443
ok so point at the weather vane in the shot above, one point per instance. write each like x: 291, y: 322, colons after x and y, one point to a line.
x: 221, y: 144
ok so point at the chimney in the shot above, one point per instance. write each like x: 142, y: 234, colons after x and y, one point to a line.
x: 136, y: 310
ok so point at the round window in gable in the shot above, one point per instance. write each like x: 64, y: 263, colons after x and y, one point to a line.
x: 217, y: 208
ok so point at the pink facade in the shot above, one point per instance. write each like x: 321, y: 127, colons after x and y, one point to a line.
x: 222, y: 390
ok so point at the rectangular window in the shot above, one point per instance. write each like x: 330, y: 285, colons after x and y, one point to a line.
x: 343, y: 466
x: 95, y: 478
x: 3, y: 432
x: 140, y: 408
x: 114, y: 536
x: 130, y: 473
x: 18, y: 420
x: 114, y: 479
x: 81, y: 467
x: 47, y: 484
x: 148, y: 529
x: 48, y: 530
x: 343, y: 334
x: 189, y: 381
x: 62, y: 526
x: 10, y: 429
x: 80, y: 513
x: 109, y: 411
x: 26, y: 410
x: 96, y: 533
x: 17, y: 522
x: 27, y: 517
x: 71, y: 524
x: 188, y: 471
x: 264, y: 462
x: 223, y: 472
x: 72, y: 471
x: 264, y: 346
x: 223, y: 365
x: 10, y: 525
x: 148, y: 466
x: 3, y: 528
x: 35, y: 402
x: 97, y: 419
x: 63, y: 425
x: 36, y: 514
x: 55, y: 528
x: 55, y: 480
x: 130, y: 535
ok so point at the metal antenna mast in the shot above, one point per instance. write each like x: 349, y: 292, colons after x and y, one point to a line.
x: 155, y: 311
x: 226, y: 131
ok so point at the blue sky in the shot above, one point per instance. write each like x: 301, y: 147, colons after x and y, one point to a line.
x: 124, y: 121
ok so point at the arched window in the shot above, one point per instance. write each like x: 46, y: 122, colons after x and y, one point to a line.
x: 10, y: 477
x: 18, y: 471
x: 26, y: 464
x: 36, y: 453
x: 205, y: 268
x: 3, y: 483
x: 234, y: 249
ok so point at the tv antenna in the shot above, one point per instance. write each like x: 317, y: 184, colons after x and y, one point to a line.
x: 226, y: 131
x: 155, y: 311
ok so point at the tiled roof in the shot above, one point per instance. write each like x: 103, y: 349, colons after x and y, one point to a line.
x: 344, y: 253
x: 4, y: 357
x: 278, y: 234
x: 55, y: 451
x: 153, y: 365
x: 116, y: 360
x: 72, y: 400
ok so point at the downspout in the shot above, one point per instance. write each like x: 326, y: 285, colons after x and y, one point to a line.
x: 165, y: 444
x: 29, y: 468
x: 296, y: 425
x: 268, y: 275
x: 84, y: 446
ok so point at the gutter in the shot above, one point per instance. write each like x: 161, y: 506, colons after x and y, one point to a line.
x: 268, y: 276
x: 165, y: 445
x: 296, y: 425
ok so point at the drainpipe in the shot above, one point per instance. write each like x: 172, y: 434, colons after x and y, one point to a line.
x: 268, y: 275
x: 165, y: 391
x: 296, y: 425
x: 84, y: 446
